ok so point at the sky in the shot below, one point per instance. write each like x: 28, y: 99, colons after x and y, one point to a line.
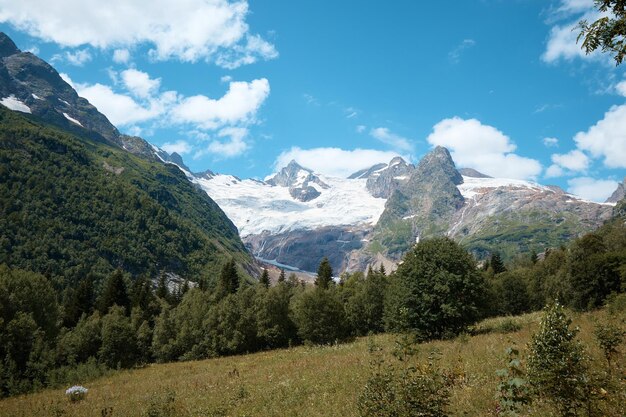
x: 243, y: 87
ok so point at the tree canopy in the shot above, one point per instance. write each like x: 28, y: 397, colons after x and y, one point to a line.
x: 608, y: 33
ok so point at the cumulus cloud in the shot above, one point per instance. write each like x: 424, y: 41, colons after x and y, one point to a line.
x: 591, y: 189
x: 574, y: 160
x: 190, y: 30
x: 554, y: 171
x: 121, y: 56
x: 334, y: 162
x: 180, y: 147
x: 240, y: 104
x: 120, y: 109
x: 551, y: 142
x: 233, y: 145
x: 607, y: 138
x: 397, y: 142
x: 77, y: 58
x: 139, y: 83
x: 482, y: 147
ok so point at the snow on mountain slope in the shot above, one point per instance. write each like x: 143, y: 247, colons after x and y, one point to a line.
x: 256, y: 206
x: 472, y: 186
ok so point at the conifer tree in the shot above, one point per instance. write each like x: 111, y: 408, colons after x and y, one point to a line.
x: 324, y: 274
x: 114, y: 293
x: 382, y: 269
x: 162, y: 290
x: 265, y: 278
x: 281, y: 277
x: 496, y: 263
x: 229, y: 279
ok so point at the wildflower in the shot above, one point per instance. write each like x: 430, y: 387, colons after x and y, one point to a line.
x: 76, y: 393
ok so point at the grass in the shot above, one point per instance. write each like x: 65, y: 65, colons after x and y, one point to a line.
x: 303, y: 381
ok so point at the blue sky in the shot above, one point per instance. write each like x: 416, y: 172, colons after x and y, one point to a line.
x: 243, y: 87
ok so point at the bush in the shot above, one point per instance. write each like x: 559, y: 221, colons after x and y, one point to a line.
x: 319, y: 316
x: 556, y: 364
x: 404, y: 389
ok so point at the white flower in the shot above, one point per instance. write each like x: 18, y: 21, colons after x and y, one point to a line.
x: 76, y: 390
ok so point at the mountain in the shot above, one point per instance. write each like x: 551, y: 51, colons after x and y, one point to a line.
x: 376, y: 214
x: 619, y: 193
x: 303, y: 185
x: 79, y: 199
x: 32, y: 86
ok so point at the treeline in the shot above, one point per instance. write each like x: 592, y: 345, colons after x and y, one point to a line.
x: 49, y: 337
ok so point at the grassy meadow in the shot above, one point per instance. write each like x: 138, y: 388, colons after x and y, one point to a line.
x: 309, y: 381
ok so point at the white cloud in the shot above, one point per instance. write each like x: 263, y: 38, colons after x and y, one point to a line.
x: 334, y: 162
x: 621, y: 88
x: 139, y: 83
x: 361, y: 128
x: 397, y: 142
x: 226, y: 79
x: 551, y: 142
x: 77, y: 58
x: 554, y: 171
x: 482, y: 147
x: 67, y: 79
x: 607, y: 138
x: 120, y: 109
x: 561, y: 43
x: 121, y: 56
x: 455, y: 55
x: 180, y: 147
x: 188, y: 30
x: 591, y: 189
x: 239, y: 105
x: 235, y: 145
x: 574, y: 160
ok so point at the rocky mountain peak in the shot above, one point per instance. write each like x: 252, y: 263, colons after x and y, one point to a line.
x: 381, y: 183
x: 619, y: 194
x: 300, y: 181
x: 367, y: 172
x: 7, y: 46
x: 438, y: 163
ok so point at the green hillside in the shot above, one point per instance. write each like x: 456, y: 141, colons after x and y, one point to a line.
x: 71, y: 207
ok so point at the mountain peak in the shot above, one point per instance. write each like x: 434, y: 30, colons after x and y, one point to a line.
x: 619, y: 193
x: 471, y: 172
x: 7, y: 46
x: 439, y: 160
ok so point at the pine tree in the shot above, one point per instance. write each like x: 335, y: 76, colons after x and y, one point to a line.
x: 281, y: 277
x: 533, y: 257
x: 229, y: 279
x: 114, y: 293
x: 382, y: 269
x: 324, y: 274
x: 497, y: 264
x: 162, y: 291
x: 78, y: 302
x: 265, y: 278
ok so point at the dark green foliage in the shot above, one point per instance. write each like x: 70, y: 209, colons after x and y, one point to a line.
x: 496, y: 263
x: 229, y: 279
x: 64, y: 214
x: 114, y: 293
x: 593, y: 272
x: 78, y: 301
x: 364, y: 302
x: 319, y: 316
x: 557, y: 369
x: 162, y: 291
x: 608, y: 33
x: 513, y: 390
x: 82, y: 342
x: 265, y: 278
x: 119, y: 341
x: 324, y: 274
x: 436, y: 292
x: 511, y: 292
x: 609, y: 337
x: 403, y: 388
x: 275, y: 328
x: 281, y: 277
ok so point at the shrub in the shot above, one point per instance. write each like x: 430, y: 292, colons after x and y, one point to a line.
x: 404, y: 389
x: 513, y: 392
x: 319, y: 316
x: 556, y: 363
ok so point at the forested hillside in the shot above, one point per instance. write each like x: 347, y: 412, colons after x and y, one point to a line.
x: 72, y: 208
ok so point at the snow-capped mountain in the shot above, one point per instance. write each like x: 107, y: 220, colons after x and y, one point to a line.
x: 295, y: 217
